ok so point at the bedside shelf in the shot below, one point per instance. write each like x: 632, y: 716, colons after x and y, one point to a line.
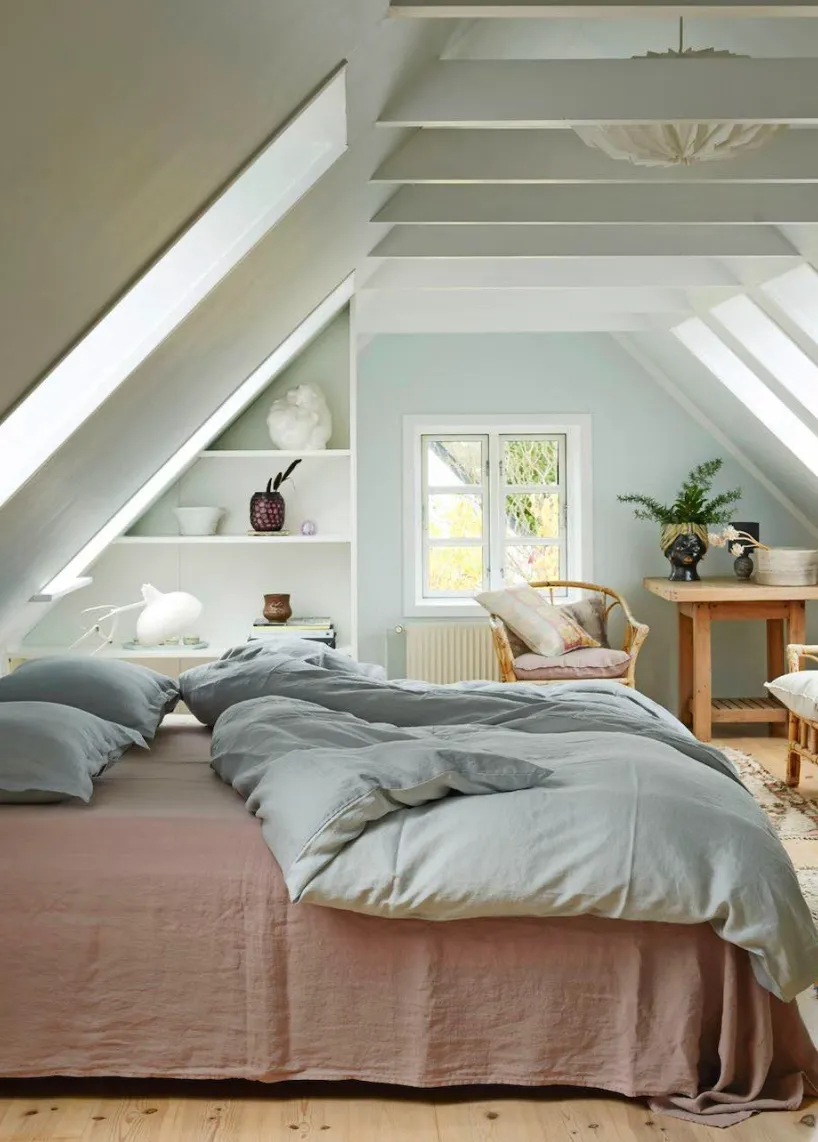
x: 115, y: 652
x: 272, y: 454
x: 257, y: 540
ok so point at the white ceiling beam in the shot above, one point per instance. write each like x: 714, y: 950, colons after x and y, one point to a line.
x: 553, y: 9
x: 542, y: 274
x: 601, y: 205
x: 559, y: 92
x: 474, y: 313
x: 560, y: 157
x: 582, y: 242
x: 526, y: 301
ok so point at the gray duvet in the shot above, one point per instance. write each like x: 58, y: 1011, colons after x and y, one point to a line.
x: 578, y: 799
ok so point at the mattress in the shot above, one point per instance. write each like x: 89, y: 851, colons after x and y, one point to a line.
x: 150, y: 934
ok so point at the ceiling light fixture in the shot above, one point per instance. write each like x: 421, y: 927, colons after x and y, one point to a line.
x: 678, y: 144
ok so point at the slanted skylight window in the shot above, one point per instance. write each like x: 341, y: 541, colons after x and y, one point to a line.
x: 176, y: 283
x: 772, y: 348
x: 796, y: 295
x: 723, y: 363
x: 68, y: 579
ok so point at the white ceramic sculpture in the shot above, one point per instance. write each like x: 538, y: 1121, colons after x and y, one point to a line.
x: 300, y: 421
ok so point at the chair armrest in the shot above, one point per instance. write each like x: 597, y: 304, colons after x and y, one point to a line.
x: 635, y: 635
x: 796, y: 653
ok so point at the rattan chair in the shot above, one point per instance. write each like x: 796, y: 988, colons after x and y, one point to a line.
x: 802, y: 733
x: 509, y: 647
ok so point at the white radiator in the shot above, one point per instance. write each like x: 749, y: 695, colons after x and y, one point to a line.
x: 450, y: 652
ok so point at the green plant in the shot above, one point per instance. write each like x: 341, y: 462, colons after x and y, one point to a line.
x: 691, y: 504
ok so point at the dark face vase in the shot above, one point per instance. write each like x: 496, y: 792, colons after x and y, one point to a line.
x: 685, y: 551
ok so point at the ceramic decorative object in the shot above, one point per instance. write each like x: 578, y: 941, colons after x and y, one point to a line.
x: 267, y: 509
x: 198, y: 521
x: 684, y: 544
x: 308, y: 527
x: 787, y: 567
x: 300, y: 421
x: 277, y: 608
x: 743, y: 566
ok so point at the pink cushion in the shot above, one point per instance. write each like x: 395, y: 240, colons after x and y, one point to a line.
x: 588, y: 662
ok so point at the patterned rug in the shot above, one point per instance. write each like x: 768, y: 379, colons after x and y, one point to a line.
x: 794, y: 818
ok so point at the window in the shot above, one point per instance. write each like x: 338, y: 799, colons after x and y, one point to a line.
x: 743, y: 383
x: 490, y: 507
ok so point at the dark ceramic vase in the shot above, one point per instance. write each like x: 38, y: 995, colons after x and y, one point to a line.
x: 277, y: 608
x: 684, y: 545
x: 743, y: 566
x: 267, y: 510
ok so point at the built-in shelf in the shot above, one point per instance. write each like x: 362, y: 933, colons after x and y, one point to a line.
x: 258, y: 540
x: 272, y: 454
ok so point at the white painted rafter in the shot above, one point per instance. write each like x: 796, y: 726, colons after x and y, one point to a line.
x: 560, y: 92
x: 596, y: 9
x: 545, y: 274
x: 603, y: 205
x: 583, y: 241
x: 560, y: 157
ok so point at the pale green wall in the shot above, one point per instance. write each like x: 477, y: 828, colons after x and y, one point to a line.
x: 642, y: 441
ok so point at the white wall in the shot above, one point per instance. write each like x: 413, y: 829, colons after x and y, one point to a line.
x: 642, y: 441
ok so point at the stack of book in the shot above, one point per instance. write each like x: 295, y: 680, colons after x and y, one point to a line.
x: 318, y: 629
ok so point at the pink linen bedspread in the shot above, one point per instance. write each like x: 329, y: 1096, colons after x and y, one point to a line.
x: 150, y: 934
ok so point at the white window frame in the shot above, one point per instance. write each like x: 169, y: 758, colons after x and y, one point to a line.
x: 575, y: 479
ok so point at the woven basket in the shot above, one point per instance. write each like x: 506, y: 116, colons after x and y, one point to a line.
x: 786, y: 567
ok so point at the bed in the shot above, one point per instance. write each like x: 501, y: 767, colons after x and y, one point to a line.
x: 150, y: 934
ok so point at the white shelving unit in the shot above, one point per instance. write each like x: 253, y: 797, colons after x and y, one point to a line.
x: 232, y: 571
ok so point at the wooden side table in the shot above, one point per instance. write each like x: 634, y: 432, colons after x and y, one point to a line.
x: 725, y: 599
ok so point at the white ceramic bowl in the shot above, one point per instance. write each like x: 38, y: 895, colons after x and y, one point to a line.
x: 198, y: 521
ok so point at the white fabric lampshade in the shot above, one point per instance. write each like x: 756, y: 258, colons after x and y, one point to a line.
x: 677, y: 144
x: 165, y: 615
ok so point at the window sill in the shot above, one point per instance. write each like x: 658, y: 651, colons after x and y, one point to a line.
x: 445, y: 609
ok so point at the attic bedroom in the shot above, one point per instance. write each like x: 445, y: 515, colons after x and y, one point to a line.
x: 409, y: 570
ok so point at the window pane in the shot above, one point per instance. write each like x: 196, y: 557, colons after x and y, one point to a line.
x: 533, y: 513
x: 527, y: 462
x: 455, y: 517
x: 453, y: 462
x: 531, y: 562
x: 455, y: 569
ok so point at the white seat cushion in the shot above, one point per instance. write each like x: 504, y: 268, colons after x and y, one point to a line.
x: 798, y: 692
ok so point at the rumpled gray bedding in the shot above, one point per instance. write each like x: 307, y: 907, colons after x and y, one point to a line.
x: 636, y: 820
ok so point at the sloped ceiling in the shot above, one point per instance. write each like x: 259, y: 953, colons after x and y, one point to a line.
x: 120, y: 120
x: 170, y: 109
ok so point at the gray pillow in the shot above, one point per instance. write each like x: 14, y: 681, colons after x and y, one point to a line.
x: 50, y: 752
x: 248, y: 671
x: 116, y: 691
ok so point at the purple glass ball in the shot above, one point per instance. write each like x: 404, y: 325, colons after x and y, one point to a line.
x: 308, y: 527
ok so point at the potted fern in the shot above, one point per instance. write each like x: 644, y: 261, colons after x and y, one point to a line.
x: 683, y: 534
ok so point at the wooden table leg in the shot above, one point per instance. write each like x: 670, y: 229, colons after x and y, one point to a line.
x: 797, y: 623
x: 685, y: 682
x: 776, y: 634
x: 702, y: 680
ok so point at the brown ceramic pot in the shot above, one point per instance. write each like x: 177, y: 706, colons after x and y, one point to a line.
x: 277, y: 608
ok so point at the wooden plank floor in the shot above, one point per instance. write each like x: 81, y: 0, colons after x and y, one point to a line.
x: 118, y: 1111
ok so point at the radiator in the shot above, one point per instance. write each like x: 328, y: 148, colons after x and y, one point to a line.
x: 449, y: 652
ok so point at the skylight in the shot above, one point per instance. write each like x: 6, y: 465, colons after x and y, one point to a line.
x: 174, y: 285
x: 796, y: 295
x: 772, y: 348
x: 723, y: 363
x: 68, y: 579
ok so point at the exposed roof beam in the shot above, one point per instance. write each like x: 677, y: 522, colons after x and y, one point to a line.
x: 551, y: 9
x: 518, y: 156
x: 582, y: 242
x: 601, y: 205
x: 542, y: 274
x: 553, y: 93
